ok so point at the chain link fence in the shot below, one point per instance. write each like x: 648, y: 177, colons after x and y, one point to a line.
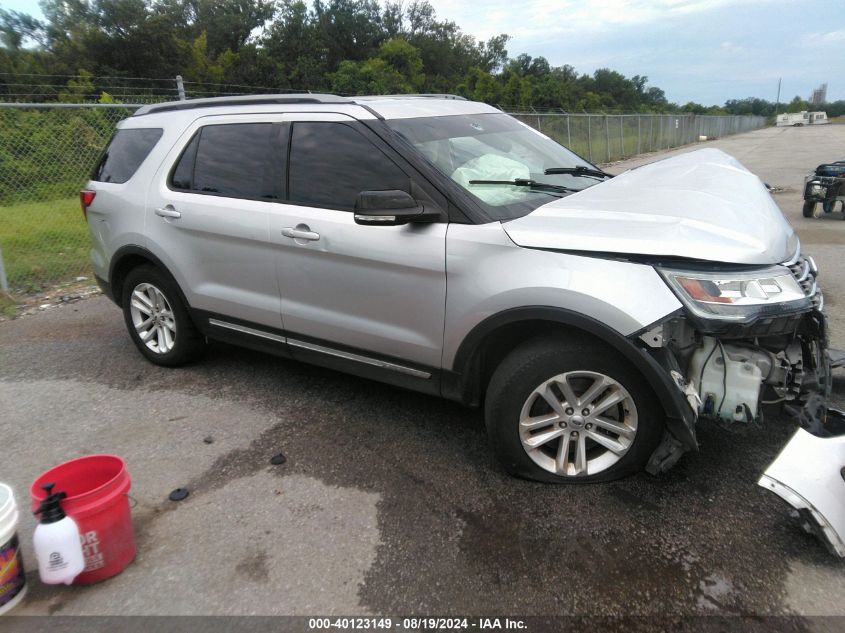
x: 604, y: 138
x: 47, y: 152
x: 46, y: 156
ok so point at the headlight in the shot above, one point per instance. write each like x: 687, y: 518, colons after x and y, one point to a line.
x: 736, y: 296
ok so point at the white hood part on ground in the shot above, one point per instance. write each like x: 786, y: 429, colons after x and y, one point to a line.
x: 701, y: 205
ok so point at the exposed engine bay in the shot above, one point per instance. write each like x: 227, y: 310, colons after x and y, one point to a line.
x: 747, y: 338
x: 728, y: 370
x: 733, y: 376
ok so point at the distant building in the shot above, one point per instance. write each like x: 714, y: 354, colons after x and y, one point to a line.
x: 819, y: 95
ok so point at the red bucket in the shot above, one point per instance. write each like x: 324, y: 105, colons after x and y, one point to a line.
x: 97, y: 499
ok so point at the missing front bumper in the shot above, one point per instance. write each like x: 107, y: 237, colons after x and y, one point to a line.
x: 809, y: 473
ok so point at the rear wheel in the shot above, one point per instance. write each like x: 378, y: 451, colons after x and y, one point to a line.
x: 810, y: 209
x: 562, y: 412
x: 157, y: 319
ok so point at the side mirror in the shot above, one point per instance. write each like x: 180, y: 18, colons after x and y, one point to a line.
x: 391, y: 208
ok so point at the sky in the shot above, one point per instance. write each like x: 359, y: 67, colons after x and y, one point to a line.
x: 707, y: 51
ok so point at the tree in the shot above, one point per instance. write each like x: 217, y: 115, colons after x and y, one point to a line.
x: 480, y: 85
x: 493, y: 53
x: 655, y: 99
x: 616, y: 90
x: 347, y: 29
x: 798, y: 105
x: 695, y: 108
x: 79, y: 88
x: 591, y: 102
x: 228, y: 24
x: 750, y: 105
x: 17, y: 28
x: 374, y: 76
x: 517, y: 92
x: 292, y: 53
x: 201, y: 68
x: 351, y: 46
x: 397, y: 68
x: 399, y: 55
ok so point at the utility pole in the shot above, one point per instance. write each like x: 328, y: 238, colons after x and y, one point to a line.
x: 777, y: 103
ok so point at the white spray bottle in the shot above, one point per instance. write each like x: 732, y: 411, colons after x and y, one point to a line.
x: 56, y: 540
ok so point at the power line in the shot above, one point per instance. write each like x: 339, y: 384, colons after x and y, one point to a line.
x: 87, y: 76
x: 96, y: 78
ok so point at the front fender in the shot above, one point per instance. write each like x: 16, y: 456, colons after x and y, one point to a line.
x: 680, y: 417
x: 487, y: 274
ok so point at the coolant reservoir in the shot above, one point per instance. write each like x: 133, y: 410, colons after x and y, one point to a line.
x: 742, y: 378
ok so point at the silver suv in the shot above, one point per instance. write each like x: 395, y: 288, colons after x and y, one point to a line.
x: 441, y: 245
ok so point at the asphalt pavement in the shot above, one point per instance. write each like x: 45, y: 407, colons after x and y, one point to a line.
x: 389, y: 502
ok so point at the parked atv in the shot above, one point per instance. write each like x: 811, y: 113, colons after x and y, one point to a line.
x: 825, y: 185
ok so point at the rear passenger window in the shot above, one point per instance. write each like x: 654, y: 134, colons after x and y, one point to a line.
x: 331, y: 163
x: 237, y: 160
x: 125, y: 153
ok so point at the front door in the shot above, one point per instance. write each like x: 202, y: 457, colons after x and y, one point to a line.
x: 368, y: 293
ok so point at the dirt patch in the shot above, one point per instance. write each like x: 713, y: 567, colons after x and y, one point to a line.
x: 15, y: 305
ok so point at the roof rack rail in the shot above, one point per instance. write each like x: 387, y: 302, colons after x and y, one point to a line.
x: 211, y: 102
x: 421, y: 95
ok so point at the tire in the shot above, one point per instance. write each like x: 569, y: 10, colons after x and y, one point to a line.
x: 513, y: 398
x: 810, y: 209
x: 173, y: 340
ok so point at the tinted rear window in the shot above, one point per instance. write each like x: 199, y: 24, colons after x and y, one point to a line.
x: 235, y: 160
x: 125, y: 153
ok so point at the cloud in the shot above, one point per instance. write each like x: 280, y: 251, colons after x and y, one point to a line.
x: 823, y: 39
x: 540, y: 19
x: 696, y: 50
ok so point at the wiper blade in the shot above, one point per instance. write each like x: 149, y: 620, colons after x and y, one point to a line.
x: 525, y: 182
x: 580, y: 170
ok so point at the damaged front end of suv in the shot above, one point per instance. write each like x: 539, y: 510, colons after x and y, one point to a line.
x: 747, y: 328
x: 742, y: 324
x: 747, y: 336
x: 754, y: 337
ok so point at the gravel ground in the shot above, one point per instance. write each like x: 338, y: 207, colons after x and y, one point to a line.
x: 389, y: 502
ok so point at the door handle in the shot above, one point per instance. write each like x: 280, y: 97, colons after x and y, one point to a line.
x: 168, y: 212
x: 301, y: 232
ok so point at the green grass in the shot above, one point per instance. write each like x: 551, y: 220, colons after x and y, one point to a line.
x: 43, y: 242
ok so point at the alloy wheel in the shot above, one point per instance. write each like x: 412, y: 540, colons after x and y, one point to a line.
x: 153, y: 318
x: 578, y: 423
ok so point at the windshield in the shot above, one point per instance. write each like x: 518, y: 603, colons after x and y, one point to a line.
x: 496, y: 147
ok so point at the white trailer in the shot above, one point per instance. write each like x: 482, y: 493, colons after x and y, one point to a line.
x: 788, y: 119
x: 818, y: 118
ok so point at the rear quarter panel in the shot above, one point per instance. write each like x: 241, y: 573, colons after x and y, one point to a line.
x: 116, y: 216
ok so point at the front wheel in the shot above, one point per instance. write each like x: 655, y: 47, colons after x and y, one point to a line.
x: 566, y: 412
x: 810, y: 209
x: 157, y: 319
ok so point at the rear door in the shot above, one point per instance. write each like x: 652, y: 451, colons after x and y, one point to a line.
x: 208, y: 212
x: 366, y: 292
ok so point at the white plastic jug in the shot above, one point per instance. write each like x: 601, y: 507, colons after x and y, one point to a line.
x: 12, y: 577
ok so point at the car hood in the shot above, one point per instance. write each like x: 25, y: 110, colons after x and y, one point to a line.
x: 701, y: 205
